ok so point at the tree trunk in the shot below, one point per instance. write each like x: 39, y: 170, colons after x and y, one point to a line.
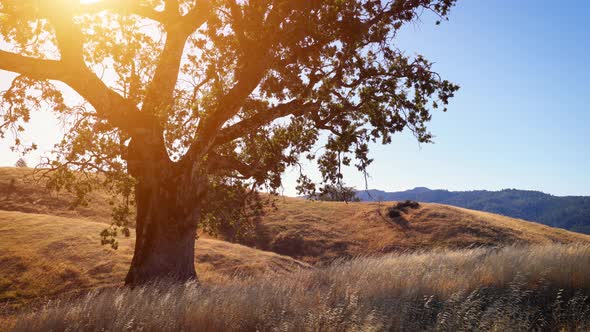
x: 166, y: 221
x: 165, y: 239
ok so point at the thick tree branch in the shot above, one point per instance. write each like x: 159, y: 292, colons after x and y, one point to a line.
x: 124, y: 7
x: 229, y: 105
x: 31, y: 67
x: 295, y: 107
x: 107, y: 103
x: 195, y: 18
x: 254, y: 63
x: 71, y: 68
x: 161, y: 89
x: 172, y: 6
x: 219, y: 163
x: 69, y: 36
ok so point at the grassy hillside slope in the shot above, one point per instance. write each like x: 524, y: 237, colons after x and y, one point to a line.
x: 316, y: 231
x: 47, y: 248
x: 43, y: 255
x: 20, y: 191
x: 568, y: 212
x: 319, y: 232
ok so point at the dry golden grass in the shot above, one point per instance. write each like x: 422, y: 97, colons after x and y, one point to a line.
x: 315, y: 231
x: 19, y: 191
x: 57, y: 251
x: 319, y: 232
x: 510, y: 289
x: 44, y: 255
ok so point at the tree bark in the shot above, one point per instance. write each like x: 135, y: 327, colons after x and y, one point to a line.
x: 165, y: 245
x: 166, y: 221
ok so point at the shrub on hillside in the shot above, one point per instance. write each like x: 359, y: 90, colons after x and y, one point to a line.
x: 288, y: 244
x: 396, y: 210
x: 394, y: 213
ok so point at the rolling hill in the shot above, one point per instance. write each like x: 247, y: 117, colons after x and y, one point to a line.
x: 43, y: 255
x: 319, y: 232
x: 62, y: 244
x: 20, y: 191
x: 569, y: 212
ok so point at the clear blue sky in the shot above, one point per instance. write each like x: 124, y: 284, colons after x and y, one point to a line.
x: 521, y: 119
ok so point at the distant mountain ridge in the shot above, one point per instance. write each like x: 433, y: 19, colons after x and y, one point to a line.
x: 568, y: 212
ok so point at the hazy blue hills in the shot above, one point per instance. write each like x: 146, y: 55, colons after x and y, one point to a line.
x: 569, y: 212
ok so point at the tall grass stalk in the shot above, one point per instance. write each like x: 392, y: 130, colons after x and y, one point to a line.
x: 510, y: 289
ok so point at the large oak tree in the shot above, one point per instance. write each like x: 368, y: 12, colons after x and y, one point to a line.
x: 191, y: 107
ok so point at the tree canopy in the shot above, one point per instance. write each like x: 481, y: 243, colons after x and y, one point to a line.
x: 223, y: 94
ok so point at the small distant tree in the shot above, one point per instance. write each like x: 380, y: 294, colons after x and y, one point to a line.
x: 337, y: 193
x: 190, y: 107
x: 21, y: 163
